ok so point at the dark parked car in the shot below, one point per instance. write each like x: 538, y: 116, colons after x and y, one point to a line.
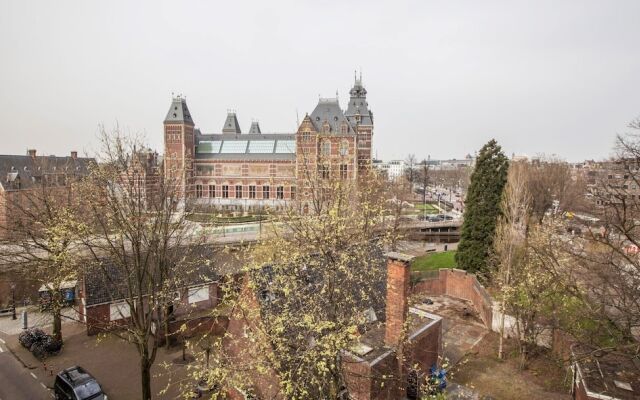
x: 77, y: 384
x: 440, y: 218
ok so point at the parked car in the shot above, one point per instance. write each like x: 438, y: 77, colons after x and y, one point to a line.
x: 77, y: 384
x: 440, y: 218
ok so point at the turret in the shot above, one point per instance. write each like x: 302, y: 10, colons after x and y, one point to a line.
x: 231, y: 124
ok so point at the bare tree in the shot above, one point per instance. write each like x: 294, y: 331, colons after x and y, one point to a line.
x: 410, y: 170
x: 306, y: 291
x: 138, y: 242
x: 45, y: 228
x: 424, y: 179
x: 550, y: 182
x: 511, y: 236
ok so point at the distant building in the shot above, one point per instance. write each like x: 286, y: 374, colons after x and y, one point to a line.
x: 243, y: 171
x: 453, y: 163
x: 21, y: 175
x: 393, y: 169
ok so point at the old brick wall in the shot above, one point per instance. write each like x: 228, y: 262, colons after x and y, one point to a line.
x: 460, y: 284
x: 426, y: 348
x: 357, y: 376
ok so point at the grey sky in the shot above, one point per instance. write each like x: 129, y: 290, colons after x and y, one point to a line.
x: 443, y: 76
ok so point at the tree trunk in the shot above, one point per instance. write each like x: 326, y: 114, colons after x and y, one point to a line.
x: 501, y: 344
x: 57, y: 325
x: 145, y: 376
x: 56, y: 311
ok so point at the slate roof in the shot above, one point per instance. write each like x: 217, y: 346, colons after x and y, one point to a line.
x: 207, y: 267
x: 255, y: 128
x: 22, y: 172
x: 178, y: 112
x: 376, y: 286
x: 329, y: 111
x: 231, y: 124
x: 358, y: 105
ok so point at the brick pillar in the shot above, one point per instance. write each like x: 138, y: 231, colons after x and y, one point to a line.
x: 398, y: 274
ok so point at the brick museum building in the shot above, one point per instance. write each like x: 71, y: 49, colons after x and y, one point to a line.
x: 240, y: 171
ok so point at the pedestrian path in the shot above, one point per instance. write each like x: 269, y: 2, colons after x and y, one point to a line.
x: 35, y: 319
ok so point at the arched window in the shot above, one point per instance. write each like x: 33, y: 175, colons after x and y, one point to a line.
x: 325, y: 148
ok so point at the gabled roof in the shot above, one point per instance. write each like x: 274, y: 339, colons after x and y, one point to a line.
x: 178, y: 112
x: 328, y: 112
x: 22, y: 172
x: 231, y: 124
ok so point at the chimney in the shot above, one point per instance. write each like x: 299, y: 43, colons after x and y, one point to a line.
x: 74, y: 154
x: 398, y: 274
x: 31, y: 152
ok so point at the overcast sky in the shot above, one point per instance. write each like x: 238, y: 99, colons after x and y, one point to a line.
x: 555, y: 77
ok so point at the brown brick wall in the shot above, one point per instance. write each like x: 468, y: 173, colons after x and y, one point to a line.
x: 460, y: 284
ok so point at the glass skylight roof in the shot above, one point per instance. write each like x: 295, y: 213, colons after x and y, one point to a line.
x: 234, y: 146
x: 209, y: 146
x: 261, y: 146
x: 286, y: 147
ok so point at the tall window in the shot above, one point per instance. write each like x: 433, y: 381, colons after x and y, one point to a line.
x: 344, y: 148
x: 225, y: 191
x: 324, y: 171
x: 238, y: 191
x: 252, y: 192
x: 280, y: 192
x: 265, y: 192
x: 325, y: 148
x: 343, y: 171
x: 198, y: 190
x: 293, y: 192
x: 212, y: 191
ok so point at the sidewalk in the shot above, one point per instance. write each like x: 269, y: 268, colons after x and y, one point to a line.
x: 35, y: 319
x: 112, y: 361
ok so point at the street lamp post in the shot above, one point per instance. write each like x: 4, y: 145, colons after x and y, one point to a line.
x: 13, y: 301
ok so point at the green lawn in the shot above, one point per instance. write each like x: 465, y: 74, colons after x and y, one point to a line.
x: 211, y: 218
x: 432, y: 261
x: 421, y: 208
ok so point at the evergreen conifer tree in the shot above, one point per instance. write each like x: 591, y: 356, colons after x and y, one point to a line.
x: 482, y: 208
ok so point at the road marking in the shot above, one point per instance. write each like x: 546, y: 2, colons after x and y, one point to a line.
x: 2, y: 341
x: 42, y: 384
x: 1, y: 351
x: 33, y: 375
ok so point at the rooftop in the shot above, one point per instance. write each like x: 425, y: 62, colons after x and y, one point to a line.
x: 608, y: 373
x: 371, y: 346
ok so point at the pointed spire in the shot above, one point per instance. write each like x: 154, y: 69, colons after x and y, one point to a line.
x: 231, y: 124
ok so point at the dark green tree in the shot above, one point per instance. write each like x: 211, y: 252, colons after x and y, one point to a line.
x: 482, y: 208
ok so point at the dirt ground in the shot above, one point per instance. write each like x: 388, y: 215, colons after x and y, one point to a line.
x: 492, y: 378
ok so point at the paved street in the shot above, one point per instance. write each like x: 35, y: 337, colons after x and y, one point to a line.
x: 16, y: 381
